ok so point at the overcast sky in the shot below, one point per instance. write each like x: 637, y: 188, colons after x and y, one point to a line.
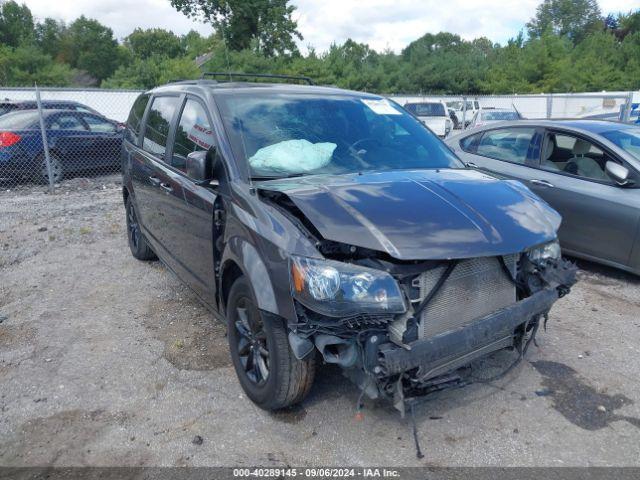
x: 380, y: 23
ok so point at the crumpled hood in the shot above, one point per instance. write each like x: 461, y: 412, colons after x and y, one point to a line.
x: 423, y: 214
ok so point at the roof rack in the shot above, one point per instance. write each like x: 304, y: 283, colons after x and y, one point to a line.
x: 230, y: 75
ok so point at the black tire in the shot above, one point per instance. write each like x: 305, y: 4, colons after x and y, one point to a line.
x: 57, y: 169
x: 138, y: 245
x: 288, y: 380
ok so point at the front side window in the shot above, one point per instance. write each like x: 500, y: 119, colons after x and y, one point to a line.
x: 574, y: 155
x: 293, y: 134
x: 627, y: 139
x: 99, y: 125
x: 469, y: 144
x: 66, y: 122
x: 135, y: 117
x: 194, y: 133
x: 508, y: 144
x: 156, y: 131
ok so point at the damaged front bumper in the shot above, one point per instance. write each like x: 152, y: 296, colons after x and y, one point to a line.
x: 383, y: 367
x: 444, y: 353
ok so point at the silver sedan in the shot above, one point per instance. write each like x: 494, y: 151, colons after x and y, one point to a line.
x: 587, y: 170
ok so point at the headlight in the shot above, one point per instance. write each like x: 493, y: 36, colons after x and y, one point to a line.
x: 339, y: 289
x: 548, y: 251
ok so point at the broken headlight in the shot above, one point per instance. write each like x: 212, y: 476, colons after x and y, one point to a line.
x: 544, y: 253
x: 339, y: 289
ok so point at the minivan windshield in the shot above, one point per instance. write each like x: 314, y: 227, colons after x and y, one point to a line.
x: 281, y: 135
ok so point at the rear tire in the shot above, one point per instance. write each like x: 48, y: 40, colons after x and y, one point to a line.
x: 268, y: 371
x: 138, y: 245
x: 57, y: 170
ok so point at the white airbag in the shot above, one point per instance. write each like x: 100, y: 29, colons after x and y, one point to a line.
x: 293, y: 156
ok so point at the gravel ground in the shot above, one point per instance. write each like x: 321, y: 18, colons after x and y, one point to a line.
x: 105, y: 360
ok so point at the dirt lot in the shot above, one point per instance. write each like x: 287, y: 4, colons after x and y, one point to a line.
x: 105, y: 360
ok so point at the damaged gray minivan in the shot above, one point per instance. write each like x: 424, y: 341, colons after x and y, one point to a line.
x: 323, y: 224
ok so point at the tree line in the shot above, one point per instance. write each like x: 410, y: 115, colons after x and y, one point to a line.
x: 568, y: 46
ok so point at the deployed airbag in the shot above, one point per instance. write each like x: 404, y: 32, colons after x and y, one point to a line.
x: 293, y: 156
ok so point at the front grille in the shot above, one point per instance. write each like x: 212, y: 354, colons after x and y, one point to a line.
x: 475, y: 288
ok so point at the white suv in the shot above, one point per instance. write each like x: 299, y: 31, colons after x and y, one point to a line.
x: 458, y: 107
x: 434, y: 115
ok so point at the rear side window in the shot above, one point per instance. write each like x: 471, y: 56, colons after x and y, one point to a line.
x: 508, y: 144
x: 67, y: 122
x: 99, y: 125
x: 135, y: 118
x: 156, y: 130
x: 194, y: 133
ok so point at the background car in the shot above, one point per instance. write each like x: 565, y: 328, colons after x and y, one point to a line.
x: 8, y: 106
x: 587, y: 170
x: 77, y: 141
x: 458, y: 106
x: 434, y: 115
x: 493, y: 115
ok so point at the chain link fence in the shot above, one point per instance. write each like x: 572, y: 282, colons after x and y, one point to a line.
x: 48, y: 135
x: 78, y: 133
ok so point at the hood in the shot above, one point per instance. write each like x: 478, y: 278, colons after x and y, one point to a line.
x: 423, y: 214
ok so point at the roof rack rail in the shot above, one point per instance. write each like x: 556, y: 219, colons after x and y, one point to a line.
x: 230, y: 75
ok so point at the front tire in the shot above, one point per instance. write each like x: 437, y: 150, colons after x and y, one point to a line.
x: 138, y: 245
x: 268, y: 371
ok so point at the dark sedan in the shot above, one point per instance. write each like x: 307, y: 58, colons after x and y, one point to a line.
x: 8, y: 106
x: 587, y: 170
x: 78, y: 141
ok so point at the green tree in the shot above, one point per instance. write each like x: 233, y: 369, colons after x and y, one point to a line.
x: 266, y: 25
x: 88, y: 45
x: 573, y: 18
x: 194, y: 44
x: 154, y: 41
x: 16, y: 24
x: 151, y: 72
x: 49, y: 36
x: 26, y: 65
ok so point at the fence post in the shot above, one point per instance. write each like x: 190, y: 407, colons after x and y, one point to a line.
x: 549, y: 105
x: 45, y: 142
x: 628, y: 106
x: 464, y: 113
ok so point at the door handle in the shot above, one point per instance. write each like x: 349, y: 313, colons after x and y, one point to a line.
x: 472, y: 165
x: 542, y: 183
x: 154, y: 181
x: 166, y: 187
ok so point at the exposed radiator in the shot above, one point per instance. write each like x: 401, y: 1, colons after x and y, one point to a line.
x: 475, y: 288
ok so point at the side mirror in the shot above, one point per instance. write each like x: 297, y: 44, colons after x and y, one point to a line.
x: 200, y: 165
x: 617, y: 172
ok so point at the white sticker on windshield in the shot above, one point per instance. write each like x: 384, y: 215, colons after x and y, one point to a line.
x: 381, y: 107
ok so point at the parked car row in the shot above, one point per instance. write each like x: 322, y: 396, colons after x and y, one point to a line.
x: 79, y: 140
x: 443, y: 118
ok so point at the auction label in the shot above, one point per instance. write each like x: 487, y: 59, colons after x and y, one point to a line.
x: 290, y: 472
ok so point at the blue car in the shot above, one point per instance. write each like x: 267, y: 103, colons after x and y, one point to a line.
x: 78, y: 141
